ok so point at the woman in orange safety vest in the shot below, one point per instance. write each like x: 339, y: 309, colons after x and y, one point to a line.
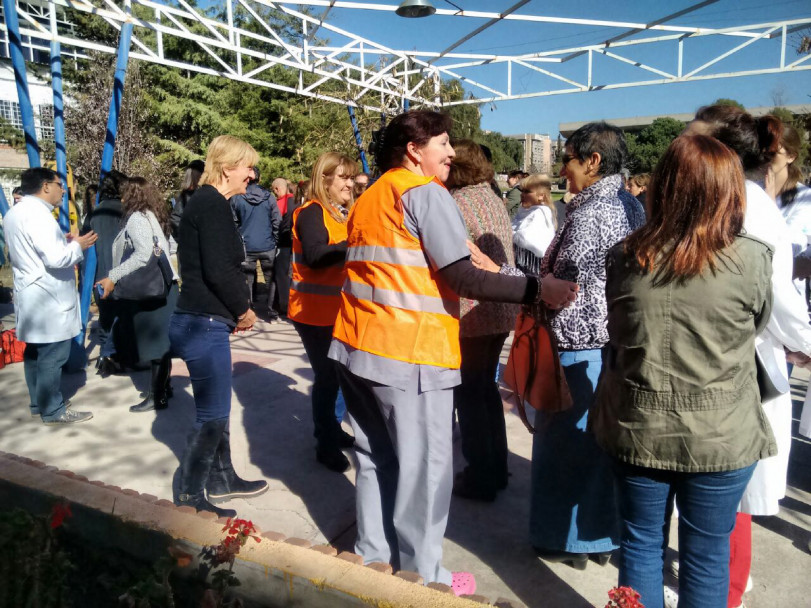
x: 319, y: 249
x: 396, y: 341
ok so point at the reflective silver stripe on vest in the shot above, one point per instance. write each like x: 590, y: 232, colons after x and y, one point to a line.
x: 387, y: 255
x: 315, y: 288
x: 398, y: 299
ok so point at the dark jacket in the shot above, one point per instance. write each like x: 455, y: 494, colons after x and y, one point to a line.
x: 106, y: 222
x: 177, y: 211
x: 258, y: 217
x: 679, y: 389
x: 286, y: 227
x: 210, y: 253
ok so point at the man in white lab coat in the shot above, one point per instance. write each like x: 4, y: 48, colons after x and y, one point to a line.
x: 46, y: 300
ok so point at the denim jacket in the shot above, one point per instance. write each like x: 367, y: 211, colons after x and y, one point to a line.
x: 679, y: 388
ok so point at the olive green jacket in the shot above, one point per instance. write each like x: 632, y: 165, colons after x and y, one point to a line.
x: 679, y: 387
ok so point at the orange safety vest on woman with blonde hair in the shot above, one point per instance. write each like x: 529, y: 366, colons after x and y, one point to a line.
x: 315, y: 292
x: 393, y: 303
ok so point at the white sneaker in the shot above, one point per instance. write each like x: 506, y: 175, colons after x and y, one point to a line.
x: 671, y: 597
x: 674, y: 568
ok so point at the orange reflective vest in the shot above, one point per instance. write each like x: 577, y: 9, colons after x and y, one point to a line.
x: 315, y: 292
x: 393, y: 303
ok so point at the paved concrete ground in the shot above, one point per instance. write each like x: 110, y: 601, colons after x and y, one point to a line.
x: 272, y: 439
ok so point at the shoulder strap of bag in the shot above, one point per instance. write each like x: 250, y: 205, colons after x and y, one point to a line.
x: 531, y: 335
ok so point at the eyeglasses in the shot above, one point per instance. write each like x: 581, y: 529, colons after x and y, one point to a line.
x: 58, y: 183
x: 566, y: 159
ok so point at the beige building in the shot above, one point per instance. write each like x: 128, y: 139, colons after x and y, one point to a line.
x: 537, y: 152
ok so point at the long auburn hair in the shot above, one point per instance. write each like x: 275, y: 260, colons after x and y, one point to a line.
x: 139, y: 194
x: 696, y: 203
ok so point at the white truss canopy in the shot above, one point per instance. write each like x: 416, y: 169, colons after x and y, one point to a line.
x: 252, y: 36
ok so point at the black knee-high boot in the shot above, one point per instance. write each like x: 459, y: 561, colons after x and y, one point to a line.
x: 223, y: 482
x: 195, y: 467
x: 156, y: 398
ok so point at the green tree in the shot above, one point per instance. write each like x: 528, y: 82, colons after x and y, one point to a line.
x: 646, y: 147
x: 728, y: 102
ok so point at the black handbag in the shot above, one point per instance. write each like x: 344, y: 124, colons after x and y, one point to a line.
x: 149, y: 282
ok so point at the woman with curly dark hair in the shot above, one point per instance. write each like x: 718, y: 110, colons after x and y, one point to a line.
x: 146, y: 218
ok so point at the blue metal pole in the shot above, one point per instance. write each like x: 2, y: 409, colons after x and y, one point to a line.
x: 358, y: 139
x: 59, y: 132
x: 21, y: 78
x: 106, y: 160
x: 3, y: 204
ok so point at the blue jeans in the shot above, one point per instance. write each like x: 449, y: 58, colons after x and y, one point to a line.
x: 203, y: 344
x: 43, y: 374
x: 573, y: 504
x: 707, y: 505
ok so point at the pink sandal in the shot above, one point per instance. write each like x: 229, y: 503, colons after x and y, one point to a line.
x: 463, y: 583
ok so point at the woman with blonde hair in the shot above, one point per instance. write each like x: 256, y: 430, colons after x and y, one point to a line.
x: 214, y: 303
x: 535, y: 223
x: 319, y: 252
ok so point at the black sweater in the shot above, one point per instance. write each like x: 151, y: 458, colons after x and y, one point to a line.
x: 315, y: 247
x: 210, y: 253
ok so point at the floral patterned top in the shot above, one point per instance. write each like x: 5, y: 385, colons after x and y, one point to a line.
x: 596, y: 219
x: 488, y: 225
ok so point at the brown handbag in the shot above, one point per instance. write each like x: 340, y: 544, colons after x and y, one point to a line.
x: 534, y: 372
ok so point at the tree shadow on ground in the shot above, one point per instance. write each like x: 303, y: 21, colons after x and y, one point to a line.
x: 278, y: 424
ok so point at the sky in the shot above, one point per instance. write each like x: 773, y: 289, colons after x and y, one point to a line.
x: 543, y: 114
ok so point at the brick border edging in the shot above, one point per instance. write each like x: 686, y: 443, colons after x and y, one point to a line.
x: 281, y: 568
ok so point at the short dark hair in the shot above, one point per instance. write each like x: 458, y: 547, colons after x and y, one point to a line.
x: 17, y: 190
x: 605, y: 139
x: 515, y: 173
x: 255, y: 179
x: 32, y: 180
x: 417, y: 126
x: 112, y: 185
x: 197, y: 165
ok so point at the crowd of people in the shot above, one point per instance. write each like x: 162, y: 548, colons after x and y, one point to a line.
x: 671, y: 299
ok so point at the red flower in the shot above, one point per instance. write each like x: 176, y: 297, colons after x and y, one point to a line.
x: 59, y: 512
x: 623, y: 597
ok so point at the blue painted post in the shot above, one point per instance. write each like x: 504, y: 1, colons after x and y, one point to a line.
x: 59, y: 131
x: 106, y: 160
x: 3, y: 204
x: 358, y: 139
x: 21, y: 78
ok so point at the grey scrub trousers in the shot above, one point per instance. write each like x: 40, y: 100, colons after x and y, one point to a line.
x: 405, y: 472
x: 401, y: 414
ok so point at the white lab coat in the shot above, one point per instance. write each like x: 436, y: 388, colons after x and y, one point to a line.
x: 46, y: 300
x: 798, y: 218
x: 788, y: 326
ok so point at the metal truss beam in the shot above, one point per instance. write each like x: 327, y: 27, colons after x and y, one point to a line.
x: 359, y: 72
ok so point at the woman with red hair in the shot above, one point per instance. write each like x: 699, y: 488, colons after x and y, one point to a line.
x: 678, y: 406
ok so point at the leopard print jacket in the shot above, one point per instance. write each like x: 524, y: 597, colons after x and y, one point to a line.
x: 596, y: 219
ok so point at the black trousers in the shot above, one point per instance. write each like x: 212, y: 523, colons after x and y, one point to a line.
x: 316, y: 341
x: 266, y: 262
x: 481, y: 412
x: 281, y: 276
